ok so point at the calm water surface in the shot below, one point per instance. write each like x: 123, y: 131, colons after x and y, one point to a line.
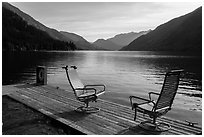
x: 123, y: 73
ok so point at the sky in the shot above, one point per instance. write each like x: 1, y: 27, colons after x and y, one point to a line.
x: 97, y: 20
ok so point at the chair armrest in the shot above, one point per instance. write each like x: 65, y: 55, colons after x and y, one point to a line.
x: 143, y: 99
x: 152, y: 93
x: 65, y: 67
x: 87, y: 89
x: 96, y: 85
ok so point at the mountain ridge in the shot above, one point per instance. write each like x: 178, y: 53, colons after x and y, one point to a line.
x: 31, y: 21
x: 81, y: 42
x: 18, y: 35
x: 118, y: 41
x: 105, y: 44
x: 124, y: 39
x: 183, y: 33
x: 55, y: 34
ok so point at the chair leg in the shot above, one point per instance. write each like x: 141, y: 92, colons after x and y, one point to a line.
x: 87, y: 109
x: 86, y: 104
x: 135, y: 114
x: 154, y: 126
x: 154, y: 120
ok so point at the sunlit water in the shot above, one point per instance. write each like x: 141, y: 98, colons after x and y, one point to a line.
x: 123, y: 73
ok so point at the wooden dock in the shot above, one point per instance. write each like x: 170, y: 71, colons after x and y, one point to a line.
x: 112, y: 119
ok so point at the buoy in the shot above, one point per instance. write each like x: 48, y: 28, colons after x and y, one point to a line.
x: 41, y: 75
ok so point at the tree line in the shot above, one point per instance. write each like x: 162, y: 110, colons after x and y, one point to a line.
x: 17, y: 35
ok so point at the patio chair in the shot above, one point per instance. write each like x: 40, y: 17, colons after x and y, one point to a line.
x: 159, y: 107
x: 83, y: 93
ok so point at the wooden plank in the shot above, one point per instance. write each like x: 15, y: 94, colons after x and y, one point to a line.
x: 176, y: 128
x: 180, y: 131
x: 124, y: 108
x: 45, y: 105
x: 103, y: 123
x: 9, y: 89
x: 112, y: 119
x: 43, y: 99
x: 50, y: 113
x: 99, y: 103
x: 110, y: 115
x: 45, y: 111
x: 41, y: 108
x: 103, y: 116
x: 99, y: 117
x: 65, y: 100
x: 111, y: 109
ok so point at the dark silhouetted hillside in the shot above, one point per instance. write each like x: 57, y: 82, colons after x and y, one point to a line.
x: 51, y: 32
x: 18, y: 35
x: 31, y: 21
x: 180, y: 34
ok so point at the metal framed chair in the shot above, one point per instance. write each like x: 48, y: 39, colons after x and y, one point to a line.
x: 159, y: 107
x: 83, y: 93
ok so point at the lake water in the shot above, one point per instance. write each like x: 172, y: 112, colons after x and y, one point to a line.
x: 123, y: 73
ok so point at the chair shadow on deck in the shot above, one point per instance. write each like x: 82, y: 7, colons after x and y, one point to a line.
x: 136, y: 130
x: 72, y: 115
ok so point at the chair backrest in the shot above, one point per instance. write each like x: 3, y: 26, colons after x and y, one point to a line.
x: 169, y: 89
x: 74, y: 80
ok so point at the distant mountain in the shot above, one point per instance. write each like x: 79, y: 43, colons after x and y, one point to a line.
x: 180, y: 34
x: 119, y: 41
x: 126, y: 38
x: 18, y: 35
x: 73, y: 36
x: 79, y: 41
x: 106, y: 44
x: 51, y: 32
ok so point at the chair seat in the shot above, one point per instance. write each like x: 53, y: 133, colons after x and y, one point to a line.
x: 91, y: 93
x: 86, y: 94
x: 147, y: 106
